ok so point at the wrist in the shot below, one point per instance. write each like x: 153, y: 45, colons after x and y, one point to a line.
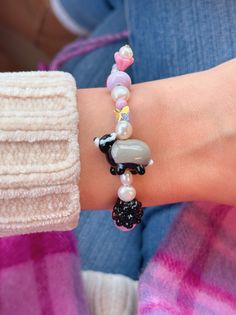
x: 97, y: 186
x: 155, y: 122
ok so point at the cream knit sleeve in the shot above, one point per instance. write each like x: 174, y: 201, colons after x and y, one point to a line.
x: 39, y: 152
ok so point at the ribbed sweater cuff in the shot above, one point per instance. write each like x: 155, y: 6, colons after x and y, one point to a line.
x: 39, y: 152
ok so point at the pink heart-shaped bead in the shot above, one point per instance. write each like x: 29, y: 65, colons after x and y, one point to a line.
x: 122, y: 63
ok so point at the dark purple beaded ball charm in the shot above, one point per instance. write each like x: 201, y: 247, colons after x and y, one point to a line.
x: 127, y: 213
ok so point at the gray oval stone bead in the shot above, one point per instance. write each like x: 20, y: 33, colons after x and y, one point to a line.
x: 131, y: 151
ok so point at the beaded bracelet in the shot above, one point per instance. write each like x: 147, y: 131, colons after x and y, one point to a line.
x: 126, y: 156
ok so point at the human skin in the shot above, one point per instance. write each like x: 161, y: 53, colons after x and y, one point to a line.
x: 189, y: 122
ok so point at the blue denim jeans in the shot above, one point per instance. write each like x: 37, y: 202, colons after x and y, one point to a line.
x: 169, y: 38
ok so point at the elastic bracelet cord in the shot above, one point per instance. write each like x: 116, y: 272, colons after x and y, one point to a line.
x: 126, y: 156
x: 80, y: 47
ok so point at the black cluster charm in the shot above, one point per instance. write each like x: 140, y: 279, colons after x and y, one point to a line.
x: 127, y: 213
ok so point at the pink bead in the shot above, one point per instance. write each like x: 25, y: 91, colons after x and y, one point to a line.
x: 124, y: 229
x: 118, y: 78
x: 122, y: 63
x: 121, y: 103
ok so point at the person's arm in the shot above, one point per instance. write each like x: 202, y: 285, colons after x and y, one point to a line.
x: 189, y: 123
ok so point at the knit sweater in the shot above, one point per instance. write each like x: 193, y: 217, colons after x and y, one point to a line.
x: 39, y: 152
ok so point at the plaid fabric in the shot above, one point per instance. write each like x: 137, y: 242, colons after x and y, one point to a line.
x: 194, y: 272
x: 39, y: 275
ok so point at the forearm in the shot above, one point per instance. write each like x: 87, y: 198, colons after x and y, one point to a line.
x: 183, y: 120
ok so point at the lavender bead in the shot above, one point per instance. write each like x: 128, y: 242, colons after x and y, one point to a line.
x: 121, y: 103
x: 118, y: 78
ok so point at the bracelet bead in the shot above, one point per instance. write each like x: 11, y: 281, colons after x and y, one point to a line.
x: 118, y: 78
x: 122, y: 63
x: 126, y: 193
x: 123, y: 130
x: 124, y: 229
x: 120, y: 91
x: 126, y: 52
x: 126, y: 178
x: 122, y: 114
x: 121, y: 103
x: 127, y: 214
x: 114, y: 68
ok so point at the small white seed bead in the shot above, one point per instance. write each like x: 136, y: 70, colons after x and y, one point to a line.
x: 126, y: 178
x: 114, y: 68
x: 123, y: 130
x: 126, y: 52
x: 126, y: 193
x: 96, y: 142
x: 120, y: 91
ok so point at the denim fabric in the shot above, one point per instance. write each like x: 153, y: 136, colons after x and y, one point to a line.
x: 90, y: 13
x: 92, y: 69
x: 169, y: 38
x: 86, y: 13
x: 172, y: 37
x: 105, y: 248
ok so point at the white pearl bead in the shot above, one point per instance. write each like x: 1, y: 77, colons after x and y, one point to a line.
x: 123, y: 130
x: 126, y: 178
x: 126, y: 52
x: 126, y: 193
x: 120, y: 91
